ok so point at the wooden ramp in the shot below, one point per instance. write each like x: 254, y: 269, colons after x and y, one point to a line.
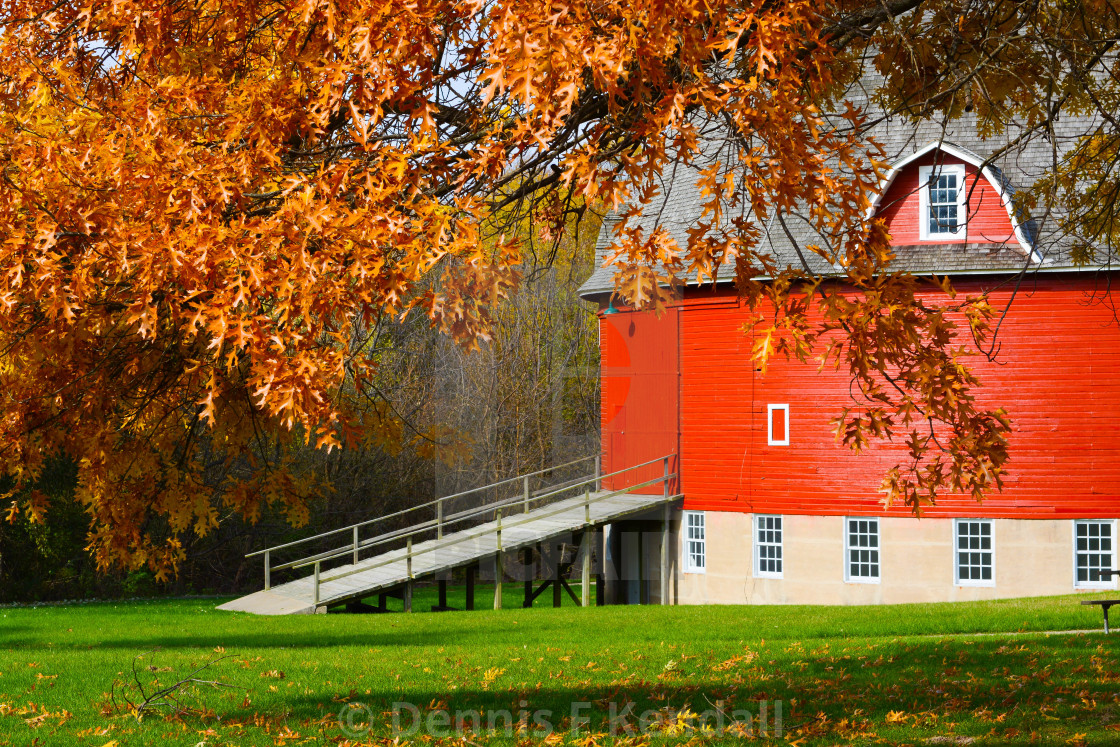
x: 502, y: 526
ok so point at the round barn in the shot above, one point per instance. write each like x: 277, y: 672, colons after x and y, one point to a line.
x: 776, y: 510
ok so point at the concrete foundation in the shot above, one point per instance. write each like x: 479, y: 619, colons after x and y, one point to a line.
x: 1032, y: 557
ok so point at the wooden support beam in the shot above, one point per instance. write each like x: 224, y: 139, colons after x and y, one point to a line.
x: 601, y: 576
x: 665, y: 554
x: 617, y: 585
x: 539, y: 590
x: 641, y: 569
x: 497, y: 580
x: 564, y: 584
x: 383, y: 598
x: 408, y: 567
x: 557, y: 588
x: 527, y: 569
x: 442, y: 606
x: 471, y: 572
x: 585, y: 575
x: 498, y: 562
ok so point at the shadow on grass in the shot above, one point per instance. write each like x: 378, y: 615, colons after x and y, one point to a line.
x: 973, y: 686
x: 398, y: 630
x: 388, y: 630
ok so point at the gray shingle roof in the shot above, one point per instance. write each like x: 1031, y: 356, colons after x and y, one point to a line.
x: 678, y: 207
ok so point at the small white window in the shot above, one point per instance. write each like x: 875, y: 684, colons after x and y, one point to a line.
x: 861, y: 550
x: 694, y: 560
x: 1094, y: 550
x: 975, y: 553
x: 941, y: 196
x: 768, y: 546
x: 777, y: 425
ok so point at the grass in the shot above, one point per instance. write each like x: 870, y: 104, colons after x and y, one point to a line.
x: 844, y: 675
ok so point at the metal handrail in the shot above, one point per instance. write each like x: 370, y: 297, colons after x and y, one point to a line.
x: 444, y: 522
x: 396, y: 534
x: 429, y: 504
x: 378, y: 540
x: 470, y: 513
x: 499, y: 527
x: 356, y: 546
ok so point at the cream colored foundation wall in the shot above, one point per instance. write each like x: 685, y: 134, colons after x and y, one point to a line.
x: 1032, y: 558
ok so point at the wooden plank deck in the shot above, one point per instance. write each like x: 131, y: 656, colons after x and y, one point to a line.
x: 467, y: 547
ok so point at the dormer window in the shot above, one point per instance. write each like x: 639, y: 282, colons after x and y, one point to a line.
x: 942, y: 199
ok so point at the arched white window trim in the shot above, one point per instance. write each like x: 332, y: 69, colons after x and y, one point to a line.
x: 985, y: 171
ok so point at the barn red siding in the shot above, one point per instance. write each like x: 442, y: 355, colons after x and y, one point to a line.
x: 1056, y: 377
x: 640, y: 386
x: 988, y: 221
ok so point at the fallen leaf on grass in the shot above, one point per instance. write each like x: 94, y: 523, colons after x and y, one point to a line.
x: 490, y: 675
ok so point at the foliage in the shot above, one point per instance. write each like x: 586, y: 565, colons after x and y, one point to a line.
x: 47, y: 560
x: 209, y: 211
x: 892, y: 674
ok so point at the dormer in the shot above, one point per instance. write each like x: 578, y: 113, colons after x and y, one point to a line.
x: 946, y: 195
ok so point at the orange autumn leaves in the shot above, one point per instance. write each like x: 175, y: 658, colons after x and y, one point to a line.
x: 209, y: 209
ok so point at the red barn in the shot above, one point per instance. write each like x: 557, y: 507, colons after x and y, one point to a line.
x: 776, y: 511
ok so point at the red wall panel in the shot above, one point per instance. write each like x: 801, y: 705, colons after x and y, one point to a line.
x: 640, y: 388
x: 988, y: 221
x: 1056, y: 375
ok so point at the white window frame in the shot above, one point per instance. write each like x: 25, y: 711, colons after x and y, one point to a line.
x: 770, y: 425
x: 689, y: 557
x: 957, y: 550
x: 758, y: 544
x: 848, y: 577
x: 1111, y: 582
x: 925, y: 176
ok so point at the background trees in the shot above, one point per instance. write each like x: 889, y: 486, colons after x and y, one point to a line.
x: 211, y: 213
x: 440, y: 420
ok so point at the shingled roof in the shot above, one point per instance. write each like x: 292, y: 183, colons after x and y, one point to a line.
x: 1042, y: 245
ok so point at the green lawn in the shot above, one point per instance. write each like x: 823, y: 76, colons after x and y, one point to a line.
x: 867, y: 675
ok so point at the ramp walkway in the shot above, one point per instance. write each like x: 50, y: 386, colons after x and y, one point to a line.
x: 390, y: 562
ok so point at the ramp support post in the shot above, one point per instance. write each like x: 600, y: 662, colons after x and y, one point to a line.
x: 355, y: 545
x: 498, y: 561
x: 267, y: 571
x: 585, y: 544
x: 665, y: 553
x: 471, y: 571
x: 556, y: 550
x: 442, y: 606
x: 527, y: 570
x: 643, y: 572
x: 408, y: 583
x: 316, y: 582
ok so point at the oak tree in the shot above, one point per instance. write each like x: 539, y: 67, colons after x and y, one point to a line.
x: 207, y: 208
